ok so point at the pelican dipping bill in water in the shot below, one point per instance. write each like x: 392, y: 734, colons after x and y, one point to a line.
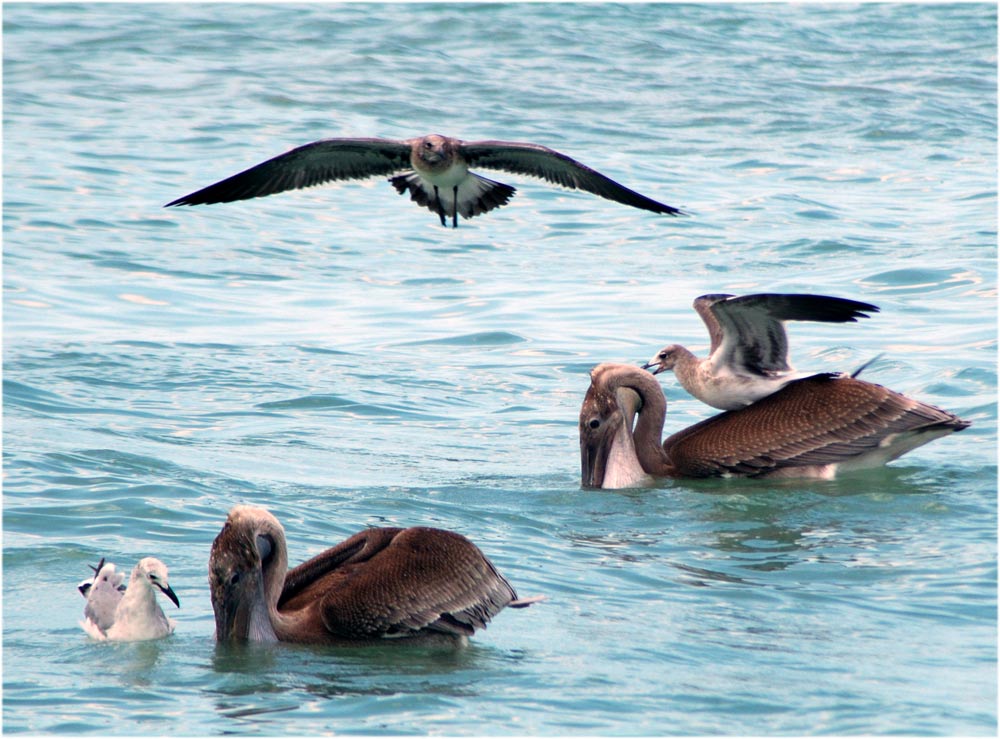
x: 814, y: 427
x: 380, y: 583
x: 748, y: 358
x: 434, y: 169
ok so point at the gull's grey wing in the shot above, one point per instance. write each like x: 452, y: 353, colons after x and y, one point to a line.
x: 540, y: 161
x: 703, y: 305
x: 749, y: 334
x: 103, y: 596
x: 312, y: 164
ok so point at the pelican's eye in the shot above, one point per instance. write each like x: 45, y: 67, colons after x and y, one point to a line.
x: 234, y: 578
x: 595, y: 423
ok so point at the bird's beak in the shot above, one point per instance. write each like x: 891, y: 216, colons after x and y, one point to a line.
x: 593, y: 457
x: 169, y: 592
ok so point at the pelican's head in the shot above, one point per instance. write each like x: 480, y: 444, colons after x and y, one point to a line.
x: 247, y: 548
x: 607, y: 451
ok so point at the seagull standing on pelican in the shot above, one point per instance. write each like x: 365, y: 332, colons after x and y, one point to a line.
x: 815, y: 427
x: 748, y: 358
x: 433, y: 168
x: 381, y: 583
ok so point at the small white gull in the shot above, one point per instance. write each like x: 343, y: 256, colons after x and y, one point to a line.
x: 136, y: 616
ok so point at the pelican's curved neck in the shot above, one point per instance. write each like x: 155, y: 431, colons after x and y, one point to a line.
x: 272, y: 623
x: 649, y: 426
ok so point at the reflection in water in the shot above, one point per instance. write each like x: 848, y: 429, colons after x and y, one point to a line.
x: 133, y: 663
x: 260, y: 679
x: 250, y: 687
x: 750, y: 525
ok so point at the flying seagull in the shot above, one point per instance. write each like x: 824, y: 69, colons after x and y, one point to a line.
x: 748, y: 359
x: 434, y: 169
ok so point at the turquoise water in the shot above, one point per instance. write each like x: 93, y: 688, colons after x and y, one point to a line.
x: 338, y: 357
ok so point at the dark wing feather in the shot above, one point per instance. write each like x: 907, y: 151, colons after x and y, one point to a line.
x: 540, y: 161
x: 422, y: 579
x: 312, y: 164
x: 805, y: 307
x: 753, y: 338
x: 817, y: 420
x: 308, y: 576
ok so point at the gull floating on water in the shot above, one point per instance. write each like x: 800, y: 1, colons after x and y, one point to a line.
x: 748, y: 359
x: 134, y: 616
x: 815, y: 427
x: 434, y: 169
x: 380, y: 583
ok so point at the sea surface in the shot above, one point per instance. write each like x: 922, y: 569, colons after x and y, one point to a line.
x: 338, y: 357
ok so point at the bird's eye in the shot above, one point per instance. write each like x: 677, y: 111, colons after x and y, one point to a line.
x: 428, y: 145
x: 595, y: 423
x: 234, y: 578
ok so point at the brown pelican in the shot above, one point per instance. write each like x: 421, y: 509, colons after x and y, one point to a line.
x: 136, y: 615
x: 379, y: 583
x: 748, y: 359
x: 813, y: 427
x: 433, y: 168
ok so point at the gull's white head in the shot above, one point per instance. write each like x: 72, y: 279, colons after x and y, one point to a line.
x: 153, y: 573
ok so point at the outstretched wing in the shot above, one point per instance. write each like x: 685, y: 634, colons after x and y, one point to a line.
x: 312, y: 164
x: 540, y: 161
x: 748, y: 335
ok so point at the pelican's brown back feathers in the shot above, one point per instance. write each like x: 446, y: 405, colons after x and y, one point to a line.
x: 820, y: 420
